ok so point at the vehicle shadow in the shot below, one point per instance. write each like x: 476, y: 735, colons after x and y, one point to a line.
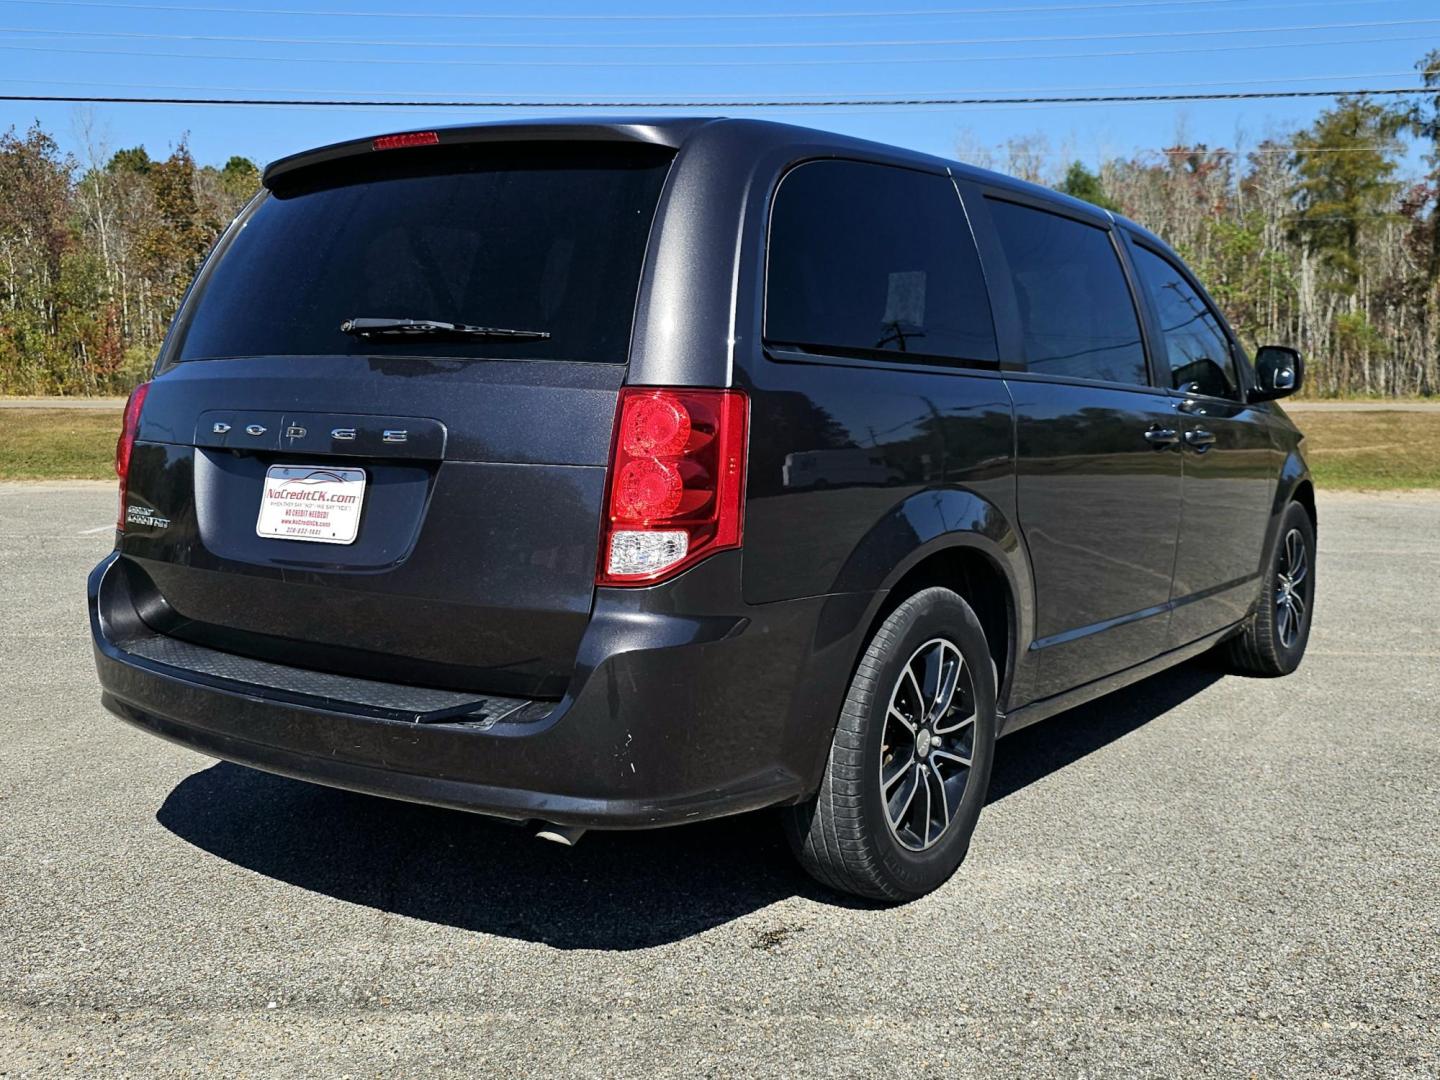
x: 613, y: 891
x: 1035, y: 752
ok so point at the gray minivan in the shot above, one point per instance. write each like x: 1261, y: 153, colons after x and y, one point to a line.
x: 627, y: 474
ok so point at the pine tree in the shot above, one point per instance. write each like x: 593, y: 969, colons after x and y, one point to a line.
x: 1345, y: 165
x: 1084, y: 184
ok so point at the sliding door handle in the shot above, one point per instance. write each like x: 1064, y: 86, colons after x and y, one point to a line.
x: 1200, y: 439
x: 1159, y: 436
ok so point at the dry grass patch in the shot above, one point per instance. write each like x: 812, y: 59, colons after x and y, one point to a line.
x: 1347, y: 450
x: 58, y: 444
x: 1373, y: 450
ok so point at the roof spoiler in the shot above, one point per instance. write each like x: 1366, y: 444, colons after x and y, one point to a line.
x: 664, y: 132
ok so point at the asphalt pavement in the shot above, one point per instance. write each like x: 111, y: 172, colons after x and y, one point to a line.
x: 1201, y: 875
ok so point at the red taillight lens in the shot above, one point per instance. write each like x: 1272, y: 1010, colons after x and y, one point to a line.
x: 647, y: 489
x: 125, y: 445
x: 677, y: 482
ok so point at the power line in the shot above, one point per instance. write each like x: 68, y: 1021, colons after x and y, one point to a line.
x: 718, y: 98
x: 1188, y: 50
x: 673, y: 16
x: 816, y: 103
x: 608, y: 46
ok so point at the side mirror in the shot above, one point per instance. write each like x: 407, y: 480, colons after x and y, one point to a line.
x: 1279, y: 372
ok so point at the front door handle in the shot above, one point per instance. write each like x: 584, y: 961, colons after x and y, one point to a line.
x: 1200, y: 439
x: 1159, y: 436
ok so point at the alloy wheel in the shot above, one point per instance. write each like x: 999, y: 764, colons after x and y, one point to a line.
x: 927, y: 744
x: 1290, y: 605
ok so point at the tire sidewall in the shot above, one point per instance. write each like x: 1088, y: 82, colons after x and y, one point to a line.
x: 939, y: 613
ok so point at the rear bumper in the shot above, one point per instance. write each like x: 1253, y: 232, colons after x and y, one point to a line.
x: 670, y: 718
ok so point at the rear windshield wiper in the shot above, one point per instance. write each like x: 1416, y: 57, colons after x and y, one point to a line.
x: 368, y: 328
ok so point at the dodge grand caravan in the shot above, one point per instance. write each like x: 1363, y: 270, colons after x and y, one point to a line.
x: 626, y: 474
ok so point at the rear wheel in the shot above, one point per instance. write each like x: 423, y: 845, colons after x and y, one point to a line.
x: 1274, y: 639
x: 910, y: 762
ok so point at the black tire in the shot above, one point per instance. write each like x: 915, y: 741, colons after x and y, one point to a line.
x: 844, y: 836
x: 1273, y: 642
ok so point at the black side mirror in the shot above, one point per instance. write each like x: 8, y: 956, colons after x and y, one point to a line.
x: 1279, y: 372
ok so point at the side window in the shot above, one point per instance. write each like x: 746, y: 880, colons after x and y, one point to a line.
x: 868, y: 259
x: 1077, y: 313
x: 1201, y: 361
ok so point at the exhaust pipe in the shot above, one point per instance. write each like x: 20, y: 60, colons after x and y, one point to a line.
x: 567, y: 835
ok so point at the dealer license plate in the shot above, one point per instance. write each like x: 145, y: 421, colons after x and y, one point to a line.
x: 302, y: 502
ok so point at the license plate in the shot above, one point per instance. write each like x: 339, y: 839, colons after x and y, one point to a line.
x: 302, y: 502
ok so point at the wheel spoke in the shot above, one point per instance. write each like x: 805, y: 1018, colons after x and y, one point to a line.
x: 905, y: 721
x: 915, y: 685
x: 1297, y: 609
x: 949, y: 729
x: 1282, y: 626
x: 1300, y: 565
x: 948, y: 756
x: 949, y: 679
x: 924, y: 778
x: 886, y: 783
x: 897, y: 818
x: 944, y: 800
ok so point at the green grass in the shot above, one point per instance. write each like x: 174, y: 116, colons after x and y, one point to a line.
x: 58, y: 444
x: 1381, y: 451
x: 1347, y: 450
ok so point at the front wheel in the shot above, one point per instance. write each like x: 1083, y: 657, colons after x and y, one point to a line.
x: 910, y: 763
x: 1274, y: 639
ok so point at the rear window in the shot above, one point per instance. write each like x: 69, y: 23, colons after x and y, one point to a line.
x: 1076, y: 310
x: 522, y: 236
x: 871, y: 259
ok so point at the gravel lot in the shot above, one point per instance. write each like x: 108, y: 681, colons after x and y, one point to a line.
x: 1202, y: 875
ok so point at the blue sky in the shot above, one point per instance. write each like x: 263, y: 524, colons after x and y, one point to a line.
x: 651, y: 49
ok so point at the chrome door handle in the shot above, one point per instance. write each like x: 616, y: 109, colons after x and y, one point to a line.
x: 1161, y: 436
x: 1200, y: 439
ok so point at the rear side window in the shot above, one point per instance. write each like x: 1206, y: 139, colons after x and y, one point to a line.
x: 523, y: 236
x: 1201, y: 361
x: 1076, y: 310
x: 871, y: 260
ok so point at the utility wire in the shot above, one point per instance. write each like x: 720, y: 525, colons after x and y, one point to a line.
x: 1091, y: 88
x: 370, y: 61
x: 815, y: 103
x: 610, y: 46
x: 1025, y: 9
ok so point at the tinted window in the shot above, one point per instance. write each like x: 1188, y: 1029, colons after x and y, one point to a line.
x: 1076, y: 309
x: 527, y: 237
x: 1200, y: 358
x: 867, y: 258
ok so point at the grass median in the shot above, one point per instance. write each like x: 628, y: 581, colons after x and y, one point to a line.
x: 1347, y: 450
x: 58, y: 444
x: 1376, y: 451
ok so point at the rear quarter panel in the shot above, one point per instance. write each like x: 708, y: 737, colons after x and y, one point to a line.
x: 939, y: 460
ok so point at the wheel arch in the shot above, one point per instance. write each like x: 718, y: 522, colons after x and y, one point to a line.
x: 1304, y: 494
x: 952, y: 537
x: 959, y: 539
x: 969, y: 567
x: 1294, y: 484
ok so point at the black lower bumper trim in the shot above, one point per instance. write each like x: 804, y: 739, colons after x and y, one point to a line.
x: 654, y: 731
x: 510, y: 803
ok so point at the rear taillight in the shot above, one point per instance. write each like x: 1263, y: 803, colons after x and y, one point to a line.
x: 677, y: 482
x: 126, y: 443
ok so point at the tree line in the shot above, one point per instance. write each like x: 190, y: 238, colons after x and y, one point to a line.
x: 94, y: 260
x: 1316, y: 239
